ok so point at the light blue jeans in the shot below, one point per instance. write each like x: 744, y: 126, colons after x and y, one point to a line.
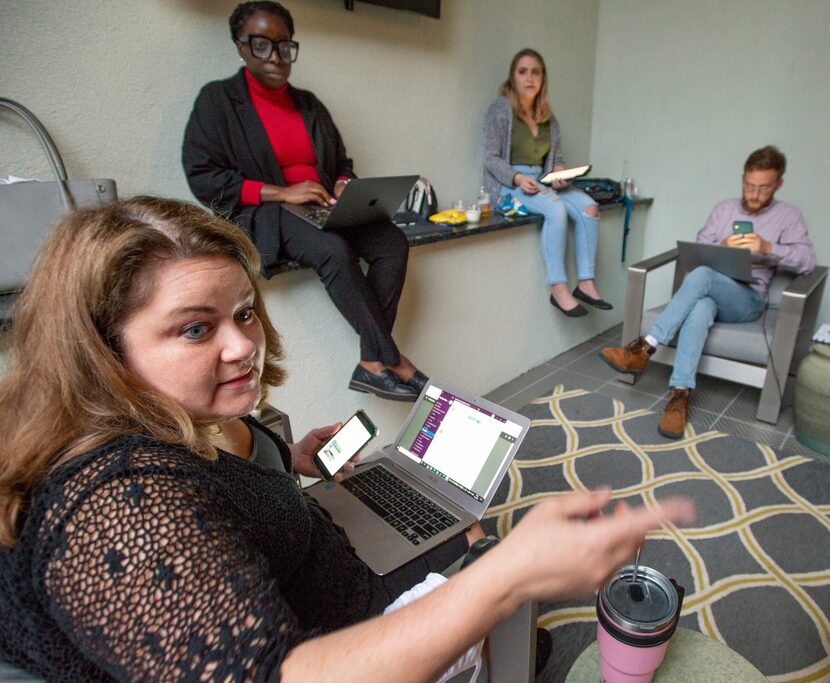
x: 556, y: 207
x: 704, y: 297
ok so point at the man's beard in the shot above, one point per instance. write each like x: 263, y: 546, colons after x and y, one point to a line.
x: 764, y: 204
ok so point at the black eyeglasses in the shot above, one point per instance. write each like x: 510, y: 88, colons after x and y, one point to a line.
x: 262, y: 48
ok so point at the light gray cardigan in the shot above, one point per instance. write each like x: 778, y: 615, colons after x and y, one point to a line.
x: 498, y: 133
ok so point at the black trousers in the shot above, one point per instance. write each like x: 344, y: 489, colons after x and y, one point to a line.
x: 369, y: 302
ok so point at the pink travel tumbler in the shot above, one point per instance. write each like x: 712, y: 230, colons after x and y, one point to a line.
x: 635, y: 620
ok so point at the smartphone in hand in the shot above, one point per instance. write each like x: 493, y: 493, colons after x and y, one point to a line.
x: 347, y: 442
x: 741, y: 227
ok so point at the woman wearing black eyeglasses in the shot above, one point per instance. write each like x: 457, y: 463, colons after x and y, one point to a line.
x: 254, y: 141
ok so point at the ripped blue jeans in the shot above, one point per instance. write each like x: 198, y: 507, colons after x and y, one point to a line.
x: 556, y: 207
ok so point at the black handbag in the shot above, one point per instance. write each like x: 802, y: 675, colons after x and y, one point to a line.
x: 421, y: 199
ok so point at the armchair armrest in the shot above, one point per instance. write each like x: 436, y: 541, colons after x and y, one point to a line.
x: 635, y: 292
x: 805, y: 285
x: 797, y: 315
x: 512, y: 642
x: 513, y: 646
x: 276, y: 420
x: 654, y: 262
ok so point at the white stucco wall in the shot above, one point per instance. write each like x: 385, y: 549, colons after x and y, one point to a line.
x: 685, y: 90
x: 682, y: 91
x: 114, y: 82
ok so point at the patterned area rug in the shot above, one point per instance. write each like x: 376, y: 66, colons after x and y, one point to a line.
x: 756, y: 567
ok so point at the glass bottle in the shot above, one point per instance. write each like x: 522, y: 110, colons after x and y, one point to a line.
x: 484, y: 203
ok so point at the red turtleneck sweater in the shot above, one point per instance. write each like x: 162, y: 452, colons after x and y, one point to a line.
x: 287, y: 134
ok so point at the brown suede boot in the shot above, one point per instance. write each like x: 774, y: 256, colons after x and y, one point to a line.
x: 673, y: 423
x: 631, y: 358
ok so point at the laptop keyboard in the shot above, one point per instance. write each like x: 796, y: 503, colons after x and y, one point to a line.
x: 318, y: 214
x: 411, y: 514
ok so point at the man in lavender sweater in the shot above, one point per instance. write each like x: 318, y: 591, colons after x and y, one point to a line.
x: 778, y: 240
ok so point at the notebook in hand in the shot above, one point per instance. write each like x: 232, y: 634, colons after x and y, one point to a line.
x: 564, y: 174
x: 434, y: 481
x: 730, y: 261
x: 363, y: 200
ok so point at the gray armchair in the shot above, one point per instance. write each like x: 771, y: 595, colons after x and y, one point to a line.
x: 276, y: 420
x: 10, y: 674
x: 761, y: 354
x: 512, y: 657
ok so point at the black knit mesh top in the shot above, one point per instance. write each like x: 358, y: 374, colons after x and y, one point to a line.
x: 143, y: 561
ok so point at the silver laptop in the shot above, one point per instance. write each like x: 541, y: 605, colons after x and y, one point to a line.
x: 730, y: 261
x: 363, y: 200
x: 453, y: 451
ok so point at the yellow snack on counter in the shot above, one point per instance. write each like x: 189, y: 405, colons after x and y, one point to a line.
x: 448, y: 217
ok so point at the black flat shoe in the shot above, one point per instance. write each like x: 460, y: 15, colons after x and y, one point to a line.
x: 385, y: 385
x: 575, y: 312
x: 418, y: 381
x: 477, y: 549
x: 591, y: 301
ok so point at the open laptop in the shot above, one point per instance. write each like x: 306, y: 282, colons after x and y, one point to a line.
x: 730, y: 261
x: 363, y: 200
x: 453, y: 450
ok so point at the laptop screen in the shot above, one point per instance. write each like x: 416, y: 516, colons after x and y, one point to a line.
x: 460, y: 442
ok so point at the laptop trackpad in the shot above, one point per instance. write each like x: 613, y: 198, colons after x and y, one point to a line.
x: 363, y: 527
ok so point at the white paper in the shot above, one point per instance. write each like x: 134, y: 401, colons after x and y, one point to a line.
x: 471, y: 658
x: 823, y: 334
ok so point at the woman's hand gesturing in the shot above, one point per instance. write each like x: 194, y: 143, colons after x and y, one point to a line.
x: 565, y: 547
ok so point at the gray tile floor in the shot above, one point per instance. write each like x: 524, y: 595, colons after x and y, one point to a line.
x: 716, y: 404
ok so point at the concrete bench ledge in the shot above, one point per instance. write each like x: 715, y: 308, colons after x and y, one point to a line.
x: 417, y: 233
x: 423, y: 232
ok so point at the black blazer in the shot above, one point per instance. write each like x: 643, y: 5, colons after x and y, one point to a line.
x: 225, y: 143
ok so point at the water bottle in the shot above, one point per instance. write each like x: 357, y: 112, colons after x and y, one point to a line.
x: 626, y: 182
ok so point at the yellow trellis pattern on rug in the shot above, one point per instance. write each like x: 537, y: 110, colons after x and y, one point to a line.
x: 739, y: 523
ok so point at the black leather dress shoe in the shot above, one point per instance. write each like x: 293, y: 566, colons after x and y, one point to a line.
x: 477, y: 549
x: 544, y: 648
x: 575, y: 312
x: 385, y: 385
x: 591, y: 301
x: 418, y: 381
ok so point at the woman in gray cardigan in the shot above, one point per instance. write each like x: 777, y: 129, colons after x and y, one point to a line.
x: 521, y: 140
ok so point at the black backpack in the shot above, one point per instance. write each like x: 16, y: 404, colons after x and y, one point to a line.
x: 601, y: 190
x: 607, y: 191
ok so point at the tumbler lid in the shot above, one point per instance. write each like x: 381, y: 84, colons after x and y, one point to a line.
x: 645, y: 606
